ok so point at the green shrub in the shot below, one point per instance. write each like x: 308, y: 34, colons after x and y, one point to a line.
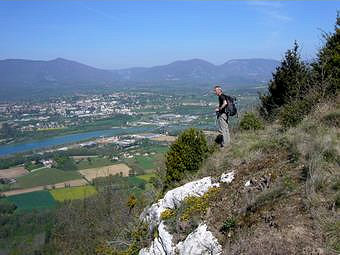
x: 228, y: 225
x: 6, y: 206
x: 185, y: 154
x: 250, y: 121
x: 65, y: 163
x: 293, y: 113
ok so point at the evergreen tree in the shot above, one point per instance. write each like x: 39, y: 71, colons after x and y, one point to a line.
x: 327, y: 66
x: 186, y: 154
x: 289, y: 82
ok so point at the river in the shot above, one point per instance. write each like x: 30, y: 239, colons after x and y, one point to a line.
x: 67, y: 139
x: 6, y: 150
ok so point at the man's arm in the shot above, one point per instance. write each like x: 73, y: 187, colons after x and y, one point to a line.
x: 225, y: 103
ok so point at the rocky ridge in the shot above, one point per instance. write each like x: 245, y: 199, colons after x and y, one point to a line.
x: 201, y: 240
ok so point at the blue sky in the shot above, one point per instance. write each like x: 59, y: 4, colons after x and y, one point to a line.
x: 119, y: 34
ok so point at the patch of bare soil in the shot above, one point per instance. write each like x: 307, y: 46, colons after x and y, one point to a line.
x: 13, y: 172
x: 164, y: 138
x: 104, y: 171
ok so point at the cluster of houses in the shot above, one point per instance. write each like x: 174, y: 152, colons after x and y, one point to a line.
x: 38, y: 116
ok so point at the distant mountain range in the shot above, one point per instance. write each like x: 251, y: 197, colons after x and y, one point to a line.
x: 33, y: 75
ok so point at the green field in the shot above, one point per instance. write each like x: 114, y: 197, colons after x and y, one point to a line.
x: 73, y: 193
x: 142, y: 164
x: 45, y: 177
x: 93, y: 162
x: 146, y: 177
x: 33, y: 200
x: 145, y: 162
x: 156, y: 148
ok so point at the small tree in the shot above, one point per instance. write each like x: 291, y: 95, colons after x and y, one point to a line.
x: 185, y: 155
x: 326, y: 68
x: 65, y: 163
x: 250, y: 121
x: 289, y: 82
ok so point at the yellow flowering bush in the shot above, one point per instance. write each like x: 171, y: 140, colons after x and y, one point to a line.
x: 167, y: 214
x: 198, y: 205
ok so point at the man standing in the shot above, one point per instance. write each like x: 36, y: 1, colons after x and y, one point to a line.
x: 222, y: 118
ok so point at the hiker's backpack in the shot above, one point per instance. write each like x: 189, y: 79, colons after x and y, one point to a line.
x: 231, y: 109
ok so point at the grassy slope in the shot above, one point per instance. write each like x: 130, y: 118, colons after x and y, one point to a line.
x: 293, y: 205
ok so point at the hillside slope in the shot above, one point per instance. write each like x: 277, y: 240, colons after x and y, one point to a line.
x: 285, y: 197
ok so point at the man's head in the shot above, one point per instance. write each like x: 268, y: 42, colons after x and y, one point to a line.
x: 218, y: 90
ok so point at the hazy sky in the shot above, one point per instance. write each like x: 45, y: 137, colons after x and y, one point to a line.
x: 118, y: 34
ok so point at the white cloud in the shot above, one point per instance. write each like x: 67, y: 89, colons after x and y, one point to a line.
x: 271, y: 4
x: 278, y: 16
x: 98, y: 12
x: 271, y: 9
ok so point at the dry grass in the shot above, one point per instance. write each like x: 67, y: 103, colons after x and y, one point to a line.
x: 21, y: 191
x: 13, y: 172
x: 293, y: 205
x: 318, y: 145
x: 105, y: 171
x: 164, y: 138
x: 270, y: 218
x: 84, y: 157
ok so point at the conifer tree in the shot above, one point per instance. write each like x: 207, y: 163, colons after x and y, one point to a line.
x: 289, y: 82
x: 326, y: 68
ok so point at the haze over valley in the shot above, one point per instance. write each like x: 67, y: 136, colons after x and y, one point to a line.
x: 27, y: 78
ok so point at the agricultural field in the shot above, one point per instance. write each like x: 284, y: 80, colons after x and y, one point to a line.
x: 13, y: 172
x: 105, y: 171
x: 144, y: 164
x: 158, y: 148
x: 92, y: 162
x: 45, y: 176
x: 72, y: 183
x: 164, y: 138
x: 146, y: 177
x: 73, y: 193
x: 83, y: 157
x: 21, y: 191
x: 34, y: 200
